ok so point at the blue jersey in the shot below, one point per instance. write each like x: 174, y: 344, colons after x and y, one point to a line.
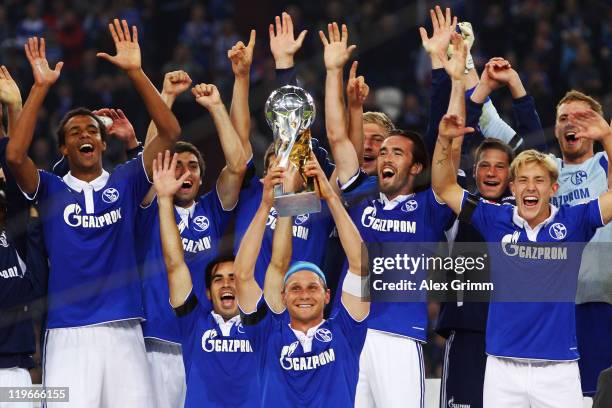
x: 89, y: 236
x: 201, y: 234
x: 579, y: 183
x: 322, y: 374
x: 220, y: 364
x: 310, y: 231
x: 417, y: 217
x: 534, y: 330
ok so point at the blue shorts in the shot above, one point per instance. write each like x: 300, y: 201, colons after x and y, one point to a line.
x: 594, y: 333
x: 463, y: 373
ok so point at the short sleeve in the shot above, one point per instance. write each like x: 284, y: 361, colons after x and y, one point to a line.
x: 354, y: 331
x: 187, y: 314
x: 134, y: 173
x: 259, y: 324
x: 212, y: 205
x: 480, y: 213
x: 439, y: 215
x: 588, y: 217
x: 45, y: 181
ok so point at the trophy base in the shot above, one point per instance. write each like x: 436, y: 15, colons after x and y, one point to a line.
x: 297, y: 204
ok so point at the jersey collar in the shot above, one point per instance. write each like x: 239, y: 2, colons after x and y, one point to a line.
x: 391, y: 204
x: 80, y: 185
x: 185, y: 213
x: 306, y: 339
x: 532, y: 233
x: 225, y: 326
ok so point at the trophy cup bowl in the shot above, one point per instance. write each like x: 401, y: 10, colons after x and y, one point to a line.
x: 290, y: 111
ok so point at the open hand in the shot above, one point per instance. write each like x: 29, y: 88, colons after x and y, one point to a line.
x: 35, y: 53
x: 128, y: 50
x: 9, y: 91
x: 282, y: 42
x: 443, y: 27
x: 164, y: 175
x: 121, y: 128
x: 455, y: 66
x: 336, y: 52
x: 591, y: 125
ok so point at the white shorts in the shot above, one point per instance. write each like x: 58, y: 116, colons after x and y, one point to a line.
x: 15, y: 377
x: 391, y: 372
x: 168, y: 373
x: 103, y: 365
x: 516, y: 383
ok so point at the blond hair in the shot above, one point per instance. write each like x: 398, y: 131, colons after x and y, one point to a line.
x: 379, y: 118
x: 575, y: 95
x: 533, y: 156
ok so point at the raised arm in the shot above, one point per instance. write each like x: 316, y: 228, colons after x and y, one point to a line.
x: 175, y: 83
x: 10, y: 96
x: 356, y: 93
x: 247, y: 288
x: 279, y: 263
x: 336, y: 54
x: 166, y: 184
x: 241, y: 57
x: 452, y: 127
x: 349, y: 238
x: 230, y: 179
x: 283, y: 43
x: 128, y: 59
x: 22, y: 167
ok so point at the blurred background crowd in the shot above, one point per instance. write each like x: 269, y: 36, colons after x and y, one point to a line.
x: 554, y: 45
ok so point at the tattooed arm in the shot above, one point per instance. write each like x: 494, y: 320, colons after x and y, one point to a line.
x: 450, y: 132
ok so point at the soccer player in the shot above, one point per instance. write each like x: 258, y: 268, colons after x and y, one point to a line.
x: 310, y: 361
x: 219, y: 359
x: 531, y: 346
x: 584, y: 175
x: 391, y: 372
x: 95, y: 304
x: 201, y: 221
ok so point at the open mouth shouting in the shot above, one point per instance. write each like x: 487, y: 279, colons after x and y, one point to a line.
x: 368, y: 157
x: 87, y: 149
x: 570, y: 138
x: 491, y: 183
x: 186, y: 186
x: 227, y: 298
x: 387, y: 172
x: 530, y: 201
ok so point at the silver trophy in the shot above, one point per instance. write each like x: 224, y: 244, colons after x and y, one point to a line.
x: 290, y: 111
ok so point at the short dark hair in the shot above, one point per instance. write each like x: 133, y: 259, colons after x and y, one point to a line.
x: 61, y: 132
x: 210, y: 268
x: 419, y: 151
x: 182, y: 147
x: 490, y: 143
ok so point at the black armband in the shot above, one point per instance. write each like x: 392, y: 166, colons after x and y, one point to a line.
x: 132, y: 153
x: 257, y: 316
x: 187, y: 307
x: 469, y: 206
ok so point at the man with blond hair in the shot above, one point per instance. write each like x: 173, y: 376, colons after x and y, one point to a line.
x: 530, y: 340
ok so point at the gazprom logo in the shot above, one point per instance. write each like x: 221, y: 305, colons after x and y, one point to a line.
x: 110, y: 195
x: 71, y: 215
x: 368, y: 216
x: 201, y: 223
x: 287, y: 352
x: 510, y: 250
x: 208, y: 335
